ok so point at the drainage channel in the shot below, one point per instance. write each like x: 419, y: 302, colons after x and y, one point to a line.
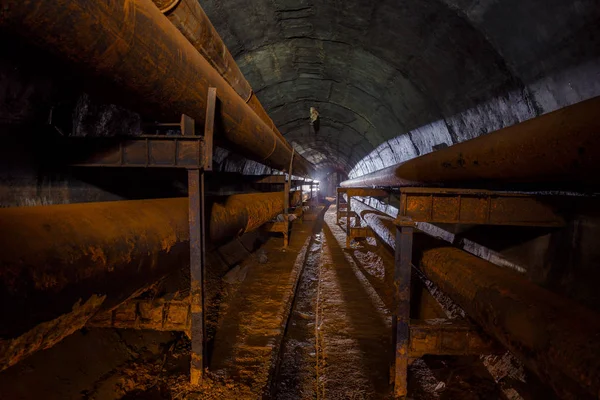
x: 295, y: 373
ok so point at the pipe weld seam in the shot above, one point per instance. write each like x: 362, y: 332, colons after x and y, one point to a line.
x: 249, y: 96
x: 167, y: 10
x: 274, y: 147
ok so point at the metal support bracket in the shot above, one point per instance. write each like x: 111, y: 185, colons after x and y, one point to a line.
x: 198, y: 245
x: 347, y: 211
x: 458, y: 206
x: 474, y: 206
x: 188, y: 151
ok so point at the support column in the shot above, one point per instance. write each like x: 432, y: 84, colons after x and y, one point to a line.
x: 348, y: 213
x: 337, y: 206
x: 198, y: 242
x: 196, y: 219
x: 401, y: 318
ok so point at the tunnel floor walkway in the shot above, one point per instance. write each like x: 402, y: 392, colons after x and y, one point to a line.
x: 354, y: 324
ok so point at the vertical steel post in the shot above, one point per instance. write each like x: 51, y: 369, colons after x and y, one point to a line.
x: 209, y: 126
x: 198, y: 240
x: 196, y: 206
x: 401, y: 319
x: 337, y: 206
x: 348, y: 214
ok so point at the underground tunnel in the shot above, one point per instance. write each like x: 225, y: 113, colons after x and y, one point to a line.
x: 293, y: 199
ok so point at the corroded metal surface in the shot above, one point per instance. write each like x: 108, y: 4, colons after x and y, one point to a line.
x: 243, y: 213
x: 362, y: 192
x: 470, y: 206
x: 189, y: 17
x: 55, y: 257
x: 401, y: 315
x: 155, y: 314
x: 553, y: 336
x: 447, y: 337
x: 141, y: 151
x: 197, y: 229
x: 149, y: 64
x: 556, y: 148
x: 191, y: 20
x: 52, y: 256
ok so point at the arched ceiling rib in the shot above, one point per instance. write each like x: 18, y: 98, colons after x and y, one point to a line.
x: 395, y: 79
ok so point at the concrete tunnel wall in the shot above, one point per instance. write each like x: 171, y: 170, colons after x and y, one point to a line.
x: 393, y: 81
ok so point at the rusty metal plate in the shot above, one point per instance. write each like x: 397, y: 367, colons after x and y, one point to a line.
x: 467, y: 206
x: 448, y: 337
x: 139, y: 152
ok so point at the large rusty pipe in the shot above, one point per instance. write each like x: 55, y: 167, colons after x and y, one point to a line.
x: 131, y: 45
x: 553, y: 336
x: 559, y: 147
x: 61, y: 264
x: 191, y: 20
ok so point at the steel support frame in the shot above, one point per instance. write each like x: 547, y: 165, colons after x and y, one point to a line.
x: 284, y: 226
x: 198, y: 245
x: 193, y: 153
x: 459, y: 206
x: 477, y: 207
x: 340, y: 208
x: 352, y: 233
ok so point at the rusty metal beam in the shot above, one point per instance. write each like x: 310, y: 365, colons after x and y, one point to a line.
x: 148, y: 64
x: 554, y: 337
x: 363, y: 192
x: 61, y: 264
x: 447, y: 337
x: 150, y: 151
x: 557, y: 149
x: 155, y: 314
x: 272, y: 179
x: 474, y: 206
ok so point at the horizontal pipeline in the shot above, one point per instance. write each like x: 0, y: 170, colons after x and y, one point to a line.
x: 553, y: 336
x: 191, y: 20
x: 138, y: 57
x: 61, y: 264
x: 559, y: 149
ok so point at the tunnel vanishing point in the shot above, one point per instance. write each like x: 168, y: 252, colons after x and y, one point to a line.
x: 294, y: 199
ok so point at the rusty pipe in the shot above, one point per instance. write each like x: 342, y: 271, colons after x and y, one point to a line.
x: 191, y: 20
x: 557, y: 148
x: 61, y: 264
x: 553, y: 336
x: 148, y: 64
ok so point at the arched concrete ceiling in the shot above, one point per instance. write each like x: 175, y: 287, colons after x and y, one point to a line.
x: 393, y: 79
